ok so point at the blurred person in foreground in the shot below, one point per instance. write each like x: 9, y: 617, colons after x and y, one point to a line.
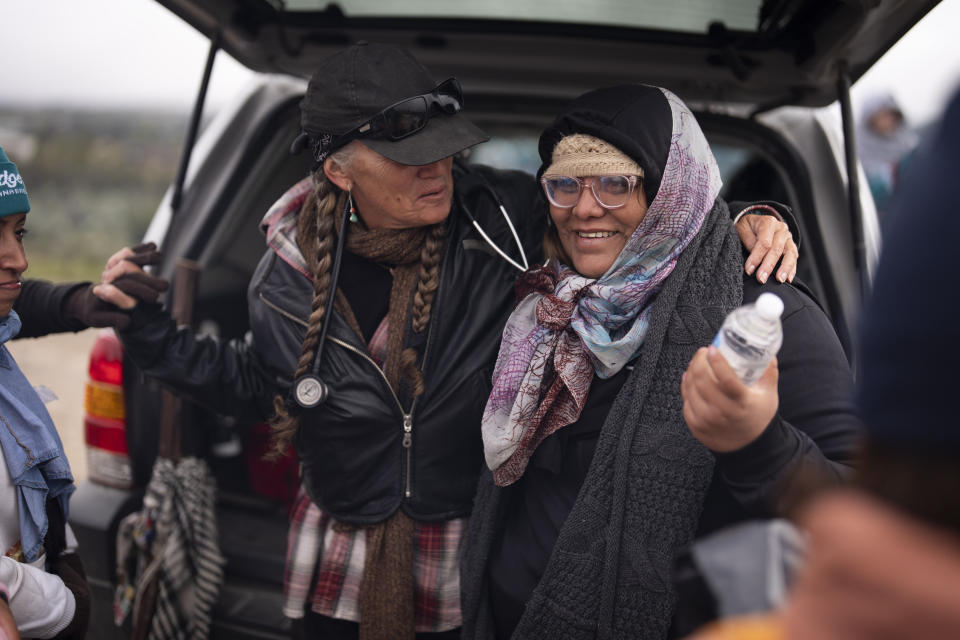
x: 48, y: 593
x: 389, y: 461
x: 889, y: 567
x: 883, y: 141
x: 595, y: 477
x: 884, y: 559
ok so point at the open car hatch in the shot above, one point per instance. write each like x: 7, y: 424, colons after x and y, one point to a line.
x: 752, y: 52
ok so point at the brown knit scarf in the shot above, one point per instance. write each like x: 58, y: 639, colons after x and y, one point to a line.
x: 387, y: 591
x: 400, y: 249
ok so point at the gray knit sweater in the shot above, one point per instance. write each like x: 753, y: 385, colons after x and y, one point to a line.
x: 609, y: 575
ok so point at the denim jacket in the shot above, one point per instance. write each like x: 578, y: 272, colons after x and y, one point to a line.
x: 32, y: 449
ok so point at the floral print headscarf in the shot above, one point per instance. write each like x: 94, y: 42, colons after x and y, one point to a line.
x: 568, y: 327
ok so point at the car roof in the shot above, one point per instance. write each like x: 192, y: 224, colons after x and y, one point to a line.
x: 752, y: 52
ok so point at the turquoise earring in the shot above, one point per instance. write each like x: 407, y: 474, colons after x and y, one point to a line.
x: 353, y: 211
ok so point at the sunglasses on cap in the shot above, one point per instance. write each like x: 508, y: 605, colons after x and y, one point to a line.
x: 408, y: 116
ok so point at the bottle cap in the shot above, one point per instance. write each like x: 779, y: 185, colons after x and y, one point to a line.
x: 769, y: 306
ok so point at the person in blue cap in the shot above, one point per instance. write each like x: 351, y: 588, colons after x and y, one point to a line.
x: 49, y: 596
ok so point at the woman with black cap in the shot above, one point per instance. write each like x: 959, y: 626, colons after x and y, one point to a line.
x: 603, y: 465
x: 376, y: 315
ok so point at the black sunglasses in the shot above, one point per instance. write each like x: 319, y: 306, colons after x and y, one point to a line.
x: 410, y: 115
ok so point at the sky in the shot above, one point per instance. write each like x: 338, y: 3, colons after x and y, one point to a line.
x: 122, y: 53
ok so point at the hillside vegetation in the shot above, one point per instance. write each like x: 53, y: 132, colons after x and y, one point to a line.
x: 94, y: 180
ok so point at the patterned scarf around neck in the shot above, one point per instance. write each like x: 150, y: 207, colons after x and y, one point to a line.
x: 567, y: 326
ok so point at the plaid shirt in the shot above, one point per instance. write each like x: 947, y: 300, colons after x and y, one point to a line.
x: 325, y: 559
x: 279, y: 225
x: 325, y: 568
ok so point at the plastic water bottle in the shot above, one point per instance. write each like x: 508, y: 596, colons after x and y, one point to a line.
x: 751, y: 335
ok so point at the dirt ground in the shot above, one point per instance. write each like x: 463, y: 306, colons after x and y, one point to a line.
x: 59, y: 362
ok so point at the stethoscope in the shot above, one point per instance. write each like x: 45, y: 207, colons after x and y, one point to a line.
x: 483, y: 234
x: 309, y: 390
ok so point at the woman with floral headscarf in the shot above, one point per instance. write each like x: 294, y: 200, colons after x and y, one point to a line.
x: 600, y: 468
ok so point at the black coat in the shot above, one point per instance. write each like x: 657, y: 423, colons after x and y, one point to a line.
x: 354, y: 464
x: 816, y: 427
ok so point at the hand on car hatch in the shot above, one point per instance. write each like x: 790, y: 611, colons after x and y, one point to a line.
x: 769, y: 241
x: 125, y: 283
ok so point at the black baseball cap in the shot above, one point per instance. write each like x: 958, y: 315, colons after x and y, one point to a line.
x: 352, y: 86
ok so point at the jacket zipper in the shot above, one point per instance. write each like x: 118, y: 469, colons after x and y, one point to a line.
x: 408, y: 424
x: 408, y: 445
x: 407, y: 441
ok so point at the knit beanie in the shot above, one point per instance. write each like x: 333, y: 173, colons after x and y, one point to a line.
x: 580, y: 155
x: 13, y: 195
x: 635, y: 119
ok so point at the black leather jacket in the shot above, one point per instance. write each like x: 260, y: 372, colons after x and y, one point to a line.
x: 363, y: 454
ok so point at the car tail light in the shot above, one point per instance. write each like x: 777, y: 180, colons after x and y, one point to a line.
x: 104, y: 420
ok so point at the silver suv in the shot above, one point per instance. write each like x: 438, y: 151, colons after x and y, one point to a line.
x: 755, y: 71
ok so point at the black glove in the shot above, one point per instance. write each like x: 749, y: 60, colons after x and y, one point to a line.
x: 142, y: 286
x: 84, y: 307
x: 145, y: 254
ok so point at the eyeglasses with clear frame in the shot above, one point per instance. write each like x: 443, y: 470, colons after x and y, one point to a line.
x: 611, y: 192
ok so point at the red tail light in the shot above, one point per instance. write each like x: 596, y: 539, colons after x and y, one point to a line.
x: 108, y: 459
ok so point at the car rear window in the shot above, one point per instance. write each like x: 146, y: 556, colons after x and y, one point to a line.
x: 692, y: 16
x: 747, y: 174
